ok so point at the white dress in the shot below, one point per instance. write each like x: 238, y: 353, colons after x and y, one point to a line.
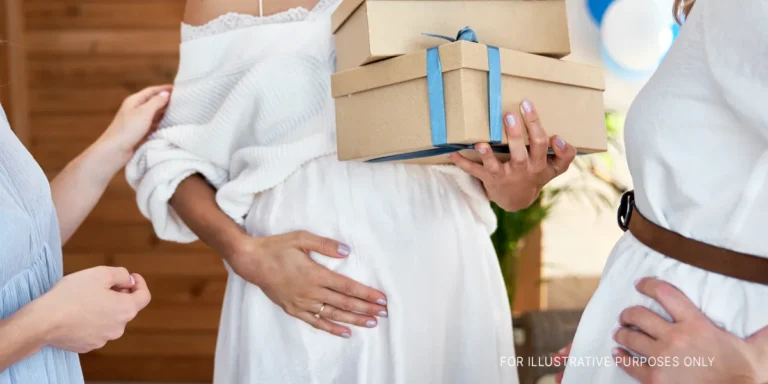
x: 697, y: 145
x: 252, y: 112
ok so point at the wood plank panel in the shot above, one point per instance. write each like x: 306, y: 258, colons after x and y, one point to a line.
x: 92, y: 72
x: 176, y: 318
x: 183, y: 290
x: 73, y: 101
x: 14, y: 32
x: 69, y: 127
x: 201, y: 264
x: 56, y: 154
x: 124, y: 238
x: 164, y: 344
x: 60, y: 14
x: 103, y: 42
x: 74, y: 262
x: 5, y: 76
x: 189, y: 267
x: 157, y: 369
x: 111, y: 210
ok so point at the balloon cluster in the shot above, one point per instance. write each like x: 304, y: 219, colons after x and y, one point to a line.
x: 635, y: 34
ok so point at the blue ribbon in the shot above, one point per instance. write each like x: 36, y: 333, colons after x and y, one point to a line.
x: 437, y: 103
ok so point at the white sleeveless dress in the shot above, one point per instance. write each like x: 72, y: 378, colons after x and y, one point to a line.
x: 697, y: 146
x: 252, y: 112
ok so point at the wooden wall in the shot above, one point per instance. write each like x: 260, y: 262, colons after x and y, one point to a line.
x: 83, y: 58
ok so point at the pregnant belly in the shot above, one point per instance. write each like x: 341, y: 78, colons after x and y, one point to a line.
x: 389, y: 214
x: 394, y: 200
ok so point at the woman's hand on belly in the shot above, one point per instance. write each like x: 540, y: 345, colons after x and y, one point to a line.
x: 281, y: 266
x: 514, y: 185
x: 689, y: 350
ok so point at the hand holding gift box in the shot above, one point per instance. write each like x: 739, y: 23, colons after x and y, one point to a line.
x: 392, y: 110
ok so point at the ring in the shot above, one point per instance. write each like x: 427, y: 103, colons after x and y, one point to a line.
x: 318, y: 312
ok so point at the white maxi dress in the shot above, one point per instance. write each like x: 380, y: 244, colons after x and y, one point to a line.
x: 252, y: 112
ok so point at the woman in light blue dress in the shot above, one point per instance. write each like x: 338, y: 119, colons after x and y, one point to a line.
x: 45, y: 321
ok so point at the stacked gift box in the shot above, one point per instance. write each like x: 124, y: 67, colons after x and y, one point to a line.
x: 414, y: 82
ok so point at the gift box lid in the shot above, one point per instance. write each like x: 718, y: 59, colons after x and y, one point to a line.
x: 464, y: 54
x: 347, y: 7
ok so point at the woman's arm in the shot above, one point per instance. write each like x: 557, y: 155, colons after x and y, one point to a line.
x: 82, y: 312
x: 23, y: 334
x: 79, y: 186
x: 195, y: 202
x: 280, y: 265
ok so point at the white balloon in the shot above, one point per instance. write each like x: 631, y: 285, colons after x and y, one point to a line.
x: 665, y: 9
x: 636, y: 34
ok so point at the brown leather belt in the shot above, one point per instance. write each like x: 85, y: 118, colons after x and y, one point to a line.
x: 695, y: 253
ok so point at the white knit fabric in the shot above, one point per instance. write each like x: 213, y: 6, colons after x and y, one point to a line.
x: 252, y: 112
x: 697, y: 145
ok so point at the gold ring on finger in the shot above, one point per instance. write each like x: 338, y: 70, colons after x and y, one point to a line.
x: 318, y: 312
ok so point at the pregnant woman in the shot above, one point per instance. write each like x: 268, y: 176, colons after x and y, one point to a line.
x: 697, y: 146
x: 339, y: 272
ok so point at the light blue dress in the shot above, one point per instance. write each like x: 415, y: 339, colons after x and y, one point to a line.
x: 30, y: 256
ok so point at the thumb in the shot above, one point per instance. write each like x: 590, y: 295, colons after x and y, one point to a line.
x: 564, y: 155
x: 117, y: 278
x: 157, y: 102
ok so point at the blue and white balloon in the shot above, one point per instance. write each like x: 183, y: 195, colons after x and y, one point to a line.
x: 597, y: 9
x: 635, y: 34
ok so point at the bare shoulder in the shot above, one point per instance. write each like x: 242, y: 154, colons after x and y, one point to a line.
x: 199, y: 12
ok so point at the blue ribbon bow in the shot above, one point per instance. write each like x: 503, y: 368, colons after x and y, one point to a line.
x: 437, y: 103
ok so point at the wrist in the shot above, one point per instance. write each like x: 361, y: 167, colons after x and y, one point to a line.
x: 102, y: 160
x: 39, y: 325
x: 241, y: 247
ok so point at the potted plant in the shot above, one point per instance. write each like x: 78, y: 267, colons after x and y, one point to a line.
x: 513, y: 227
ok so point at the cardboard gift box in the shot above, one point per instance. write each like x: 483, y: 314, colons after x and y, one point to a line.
x: 372, y: 30
x: 417, y: 107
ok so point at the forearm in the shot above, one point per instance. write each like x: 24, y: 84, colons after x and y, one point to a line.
x: 80, y: 185
x: 195, y: 202
x: 22, y: 335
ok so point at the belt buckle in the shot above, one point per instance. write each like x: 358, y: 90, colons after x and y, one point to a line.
x: 625, y: 210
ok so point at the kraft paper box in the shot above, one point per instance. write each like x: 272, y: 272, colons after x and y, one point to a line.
x: 372, y: 30
x: 388, y: 108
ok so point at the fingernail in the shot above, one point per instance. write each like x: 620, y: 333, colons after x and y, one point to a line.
x: 636, y: 282
x: 370, y: 323
x: 383, y: 314
x: 527, y: 106
x: 482, y: 149
x: 616, y: 330
x: 345, y: 335
x: 511, y: 120
x: 559, y: 142
x: 343, y: 250
x: 615, y: 352
x: 448, y: 154
x: 164, y: 94
x: 561, y: 351
x: 381, y: 302
x: 133, y: 281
